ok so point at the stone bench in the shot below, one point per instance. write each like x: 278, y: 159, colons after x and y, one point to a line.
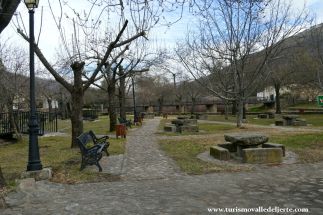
x: 279, y: 122
x: 229, y: 146
x: 219, y: 153
x: 300, y: 122
x: 169, y: 127
x: 188, y: 128
x: 262, y: 155
x: 262, y: 116
x: 274, y: 145
x: 180, y: 122
x: 202, y: 117
x: 271, y: 115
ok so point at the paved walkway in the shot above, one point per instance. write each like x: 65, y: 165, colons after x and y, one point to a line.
x: 152, y: 185
x: 143, y: 159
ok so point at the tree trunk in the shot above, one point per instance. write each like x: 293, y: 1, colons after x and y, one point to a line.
x: 12, y: 122
x: 76, y: 116
x: 77, y: 95
x: 240, y: 113
x: 234, y: 108
x: 161, y: 104
x: 50, y: 109
x: 226, y: 110
x: 244, y: 114
x: 193, y: 105
x: 122, y: 94
x: 112, y: 106
x: 2, y: 180
x: 277, y: 99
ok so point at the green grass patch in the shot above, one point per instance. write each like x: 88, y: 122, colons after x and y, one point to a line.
x: 252, y: 119
x: 258, y: 108
x: 221, y: 118
x: 99, y: 126
x: 300, y: 141
x: 306, y: 105
x: 212, y: 127
x: 313, y: 119
x: 55, y: 152
x: 309, y: 147
x: 184, y: 153
x: 204, y: 128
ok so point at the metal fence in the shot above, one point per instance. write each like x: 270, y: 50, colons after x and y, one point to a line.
x: 47, y: 122
x: 90, y: 114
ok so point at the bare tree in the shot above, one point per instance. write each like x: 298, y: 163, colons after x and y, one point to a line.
x: 7, y: 9
x: 13, y: 80
x: 192, y: 91
x: 49, y: 90
x: 95, y: 51
x: 228, y: 43
x: 136, y: 61
x: 313, y: 52
x: 98, y: 37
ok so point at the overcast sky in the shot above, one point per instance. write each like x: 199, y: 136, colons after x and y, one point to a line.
x: 166, y: 36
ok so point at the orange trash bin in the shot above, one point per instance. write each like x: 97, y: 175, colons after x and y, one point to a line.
x: 121, y: 130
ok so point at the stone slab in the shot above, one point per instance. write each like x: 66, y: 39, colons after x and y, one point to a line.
x: 246, y: 139
x: 202, y: 116
x: 188, y: 128
x: 229, y: 146
x: 26, y: 184
x: 279, y: 122
x: 169, y: 128
x: 263, y: 116
x: 274, y: 145
x: 182, y: 117
x: 219, y: 153
x: 44, y: 174
x: 271, y: 115
x: 180, y: 122
x: 300, y: 122
x: 262, y: 155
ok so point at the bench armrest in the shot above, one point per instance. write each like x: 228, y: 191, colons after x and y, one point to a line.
x: 98, y: 148
x: 102, y: 139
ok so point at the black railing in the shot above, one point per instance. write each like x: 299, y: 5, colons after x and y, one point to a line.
x: 47, y: 122
x: 90, y: 114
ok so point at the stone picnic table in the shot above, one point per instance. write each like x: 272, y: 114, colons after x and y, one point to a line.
x: 248, y: 147
x: 183, y: 123
x: 290, y: 119
x: 245, y: 140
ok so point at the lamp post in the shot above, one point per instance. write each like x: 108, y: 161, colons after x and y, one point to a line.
x: 34, y: 162
x: 135, y: 117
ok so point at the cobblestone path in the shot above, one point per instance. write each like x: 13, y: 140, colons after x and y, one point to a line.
x: 143, y: 159
x: 166, y: 191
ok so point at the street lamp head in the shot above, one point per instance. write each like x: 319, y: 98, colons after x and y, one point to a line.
x: 31, y: 4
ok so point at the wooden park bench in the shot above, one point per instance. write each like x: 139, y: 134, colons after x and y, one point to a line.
x: 91, y: 155
x: 125, y: 122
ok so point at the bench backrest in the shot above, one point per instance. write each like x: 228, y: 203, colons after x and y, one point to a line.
x: 91, y: 133
x: 82, y: 140
x: 121, y: 120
